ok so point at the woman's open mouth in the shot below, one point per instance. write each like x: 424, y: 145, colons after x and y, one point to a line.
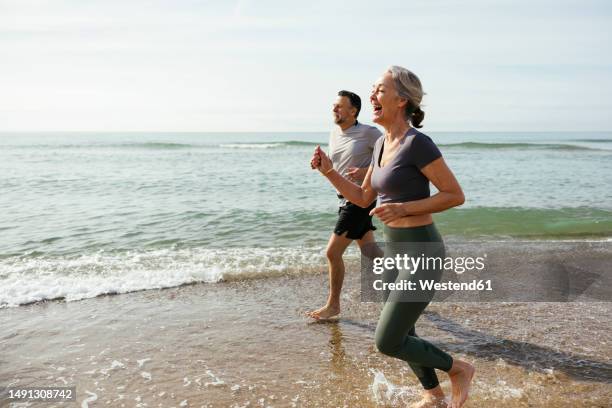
x: 377, y: 109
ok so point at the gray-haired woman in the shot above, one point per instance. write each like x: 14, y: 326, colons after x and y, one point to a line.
x: 405, y: 161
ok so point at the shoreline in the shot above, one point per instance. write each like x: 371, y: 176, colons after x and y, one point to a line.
x: 578, y: 267
x: 247, y: 343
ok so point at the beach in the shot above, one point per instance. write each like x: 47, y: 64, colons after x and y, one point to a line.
x: 169, y: 270
x: 247, y: 344
x: 176, y: 204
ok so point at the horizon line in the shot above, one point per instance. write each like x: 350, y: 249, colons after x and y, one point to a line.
x: 287, y: 131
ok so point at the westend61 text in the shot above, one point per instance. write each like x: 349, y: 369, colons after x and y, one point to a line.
x: 427, y: 285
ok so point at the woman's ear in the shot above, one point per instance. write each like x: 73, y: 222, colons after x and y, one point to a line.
x: 402, y: 102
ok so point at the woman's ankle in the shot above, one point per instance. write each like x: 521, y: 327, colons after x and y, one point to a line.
x: 434, y: 393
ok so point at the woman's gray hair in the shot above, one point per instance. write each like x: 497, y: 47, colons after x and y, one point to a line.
x: 408, y: 86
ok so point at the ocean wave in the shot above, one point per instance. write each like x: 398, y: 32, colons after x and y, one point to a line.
x: 170, y: 146
x: 301, y: 144
x: 156, y: 145
x: 594, y: 140
x: 252, y: 145
x: 39, y: 276
x: 270, y: 145
x: 28, y: 279
x: 462, y: 145
x: 143, y: 145
x: 531, y: 223
x: 538, y: 146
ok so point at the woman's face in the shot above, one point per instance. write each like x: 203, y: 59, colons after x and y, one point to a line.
x: 386, y: 102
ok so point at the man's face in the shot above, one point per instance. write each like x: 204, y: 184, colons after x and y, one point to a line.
x: 343, y: 110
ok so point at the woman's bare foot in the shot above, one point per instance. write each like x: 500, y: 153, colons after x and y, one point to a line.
x: 326, y: 312
x: 461, y: 374
x: 433, y: 398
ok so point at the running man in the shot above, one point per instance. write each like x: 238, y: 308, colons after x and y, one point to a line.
x: 350, y: 145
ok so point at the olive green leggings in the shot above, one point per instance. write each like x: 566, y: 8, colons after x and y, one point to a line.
x: 395, y: 332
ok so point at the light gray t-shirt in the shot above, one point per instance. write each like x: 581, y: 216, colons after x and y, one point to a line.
x: 352, y: 147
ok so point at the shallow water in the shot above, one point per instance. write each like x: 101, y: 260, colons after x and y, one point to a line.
x: 82, y: 214
x: 247, y: 343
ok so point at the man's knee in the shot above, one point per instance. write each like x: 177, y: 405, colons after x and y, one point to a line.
x: 336, y: 247
x: 333, y: 254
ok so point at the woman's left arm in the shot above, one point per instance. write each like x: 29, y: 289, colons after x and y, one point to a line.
x: 449, y: 195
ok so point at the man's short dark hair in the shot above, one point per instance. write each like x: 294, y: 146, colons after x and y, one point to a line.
x: 354, y: 98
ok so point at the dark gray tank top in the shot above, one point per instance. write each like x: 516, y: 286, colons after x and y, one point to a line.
x: 401, y: 180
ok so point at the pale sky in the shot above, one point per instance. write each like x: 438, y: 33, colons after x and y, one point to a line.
x: 187, y: 65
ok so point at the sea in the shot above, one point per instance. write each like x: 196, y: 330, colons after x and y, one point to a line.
x: 84, y: 214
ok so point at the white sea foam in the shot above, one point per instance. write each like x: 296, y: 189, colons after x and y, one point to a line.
x: 31, y: 279
x: 143, y: 361
x: 253, y: 145
x: 92, y: 397
x: 216, y: 380
x: 385, y: 392
x: 498, y: 391
x: 117, y: 364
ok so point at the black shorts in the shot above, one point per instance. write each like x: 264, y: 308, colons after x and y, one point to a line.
x: 354, y: 220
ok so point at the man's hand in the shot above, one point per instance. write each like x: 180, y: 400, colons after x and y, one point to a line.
x: 356, y: 174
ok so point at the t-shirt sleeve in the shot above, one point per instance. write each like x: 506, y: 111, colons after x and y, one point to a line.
x: 425, y: 151
x: 376, y: 151
x: 374, y: 135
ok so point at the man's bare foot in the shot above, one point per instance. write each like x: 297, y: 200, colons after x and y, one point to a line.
x: 326, y: 312
x: 461, y: 375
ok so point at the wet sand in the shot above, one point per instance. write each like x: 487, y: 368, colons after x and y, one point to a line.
x: 247, y: 344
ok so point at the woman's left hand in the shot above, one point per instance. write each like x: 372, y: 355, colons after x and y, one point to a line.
x: 389, y: 212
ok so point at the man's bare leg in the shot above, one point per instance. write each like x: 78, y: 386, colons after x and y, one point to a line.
x: 335, y: 249
x: 368, y: 247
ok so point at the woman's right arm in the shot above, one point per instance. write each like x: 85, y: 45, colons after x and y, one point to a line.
x: 362, y: 196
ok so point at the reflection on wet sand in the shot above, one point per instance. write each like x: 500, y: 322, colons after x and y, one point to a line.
x: 246, y: 344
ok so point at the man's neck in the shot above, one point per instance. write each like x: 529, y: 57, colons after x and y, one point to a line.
x: 348, y: 124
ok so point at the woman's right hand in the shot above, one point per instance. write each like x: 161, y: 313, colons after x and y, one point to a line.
x: 359, y: 195
x: 321, y: 161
